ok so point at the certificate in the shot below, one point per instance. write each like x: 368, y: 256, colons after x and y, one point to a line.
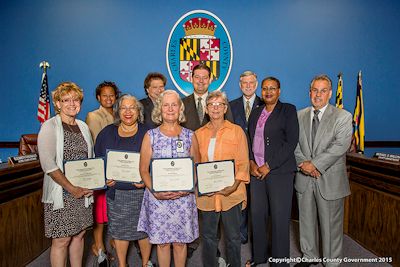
x: 173, y: 174
x: 86, y: 173
x: 215, y: 175
x: 123, y: 166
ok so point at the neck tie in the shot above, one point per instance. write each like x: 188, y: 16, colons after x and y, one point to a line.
x: 315, y: 124
x: 247, y: 109
x: 200, y: 110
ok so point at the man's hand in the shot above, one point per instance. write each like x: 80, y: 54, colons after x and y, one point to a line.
x: 308, y: 168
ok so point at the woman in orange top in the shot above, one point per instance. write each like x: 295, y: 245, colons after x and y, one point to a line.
x: 221, y: 140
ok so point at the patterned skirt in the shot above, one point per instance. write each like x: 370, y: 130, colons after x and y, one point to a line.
x: 123, y: 214
x: 68, y: 221
x: 169, y: 221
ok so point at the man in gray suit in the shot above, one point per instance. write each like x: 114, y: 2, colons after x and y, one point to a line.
x: 321, y: 182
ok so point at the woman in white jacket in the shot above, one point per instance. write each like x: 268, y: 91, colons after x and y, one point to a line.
x: 67, y: 209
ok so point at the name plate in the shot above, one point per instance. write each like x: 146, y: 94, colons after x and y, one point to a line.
x: 173, y: 174
x: 388, y: 157
x: 123, y: 166
x: 22, y: 159
x: 86, y: 173
x: 214, y: 176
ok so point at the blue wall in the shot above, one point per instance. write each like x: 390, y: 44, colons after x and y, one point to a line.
x: 91, y: 41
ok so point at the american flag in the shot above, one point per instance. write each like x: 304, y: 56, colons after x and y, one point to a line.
x: 43, y: 113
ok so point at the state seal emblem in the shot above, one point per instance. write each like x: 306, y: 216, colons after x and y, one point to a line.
x: 197, y: 37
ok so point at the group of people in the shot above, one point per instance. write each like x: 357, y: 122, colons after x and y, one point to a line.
x: 275, y: 149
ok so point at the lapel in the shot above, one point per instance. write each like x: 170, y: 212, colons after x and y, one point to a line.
x: 242, y: 113
x: 257, y: 102
x: 275, y: 112
x: 306, y: 121
x: 323, y: 125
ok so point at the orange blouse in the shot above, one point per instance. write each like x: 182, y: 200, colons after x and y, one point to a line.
x: 231, y: 143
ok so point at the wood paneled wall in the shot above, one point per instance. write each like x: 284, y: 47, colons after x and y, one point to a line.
x: 373, y: 209
x: 21, y: 214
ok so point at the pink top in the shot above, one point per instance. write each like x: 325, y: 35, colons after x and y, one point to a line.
x: 258, y: 143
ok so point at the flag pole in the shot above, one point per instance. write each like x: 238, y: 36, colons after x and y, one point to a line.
x: 44, y: 65
x: 43, y: 112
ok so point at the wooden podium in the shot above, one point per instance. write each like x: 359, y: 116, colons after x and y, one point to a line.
x: 21, y: 214
x: 372, y: 211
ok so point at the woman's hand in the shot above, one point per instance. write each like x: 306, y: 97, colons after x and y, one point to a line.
x: 110, y: 182
x: 139, y: 185
x: 78, y: 192
x: 254, y: 169
x: 263, y: 170
x: 227, y: 190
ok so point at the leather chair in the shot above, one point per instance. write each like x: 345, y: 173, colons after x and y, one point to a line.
x: 28, y: 144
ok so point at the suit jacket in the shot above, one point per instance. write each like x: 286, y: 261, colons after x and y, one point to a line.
x: 192, y: 119
x: 239, y: 113
x: 147, y: 109
x: 281, y: 135
x: 332, y: 141
x: 97, y: 120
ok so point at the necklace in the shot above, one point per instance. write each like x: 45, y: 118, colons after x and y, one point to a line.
x: 128, y: 131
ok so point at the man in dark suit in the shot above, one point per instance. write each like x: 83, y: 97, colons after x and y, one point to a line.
x: 154, y: 85
x: 273, y: 135
x: 195, y: 104
x: 241, y: 109
x: 322, y: 182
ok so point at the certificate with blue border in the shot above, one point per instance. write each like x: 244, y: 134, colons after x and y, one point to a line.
x: 86, y: 173
x: 214, y: 176
x: 123, y: 166
x: 172, y: 174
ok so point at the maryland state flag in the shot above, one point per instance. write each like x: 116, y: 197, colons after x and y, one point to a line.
x: 339, y: 92
x: 358, y: 119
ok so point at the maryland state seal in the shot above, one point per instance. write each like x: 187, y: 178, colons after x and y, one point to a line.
x: 197, y: 37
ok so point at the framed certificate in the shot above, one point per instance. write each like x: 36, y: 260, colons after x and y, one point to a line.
x: 86, y: 173
x: 123, y: 166
x: 172, y: 174
x: 214, y: 176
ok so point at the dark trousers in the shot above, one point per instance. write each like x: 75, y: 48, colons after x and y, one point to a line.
x: 209, y: 235
x: 271, y: 197
x: 244, y: 226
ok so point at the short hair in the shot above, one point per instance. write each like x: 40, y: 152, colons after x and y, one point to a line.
x: 271, y: 78
x: 153, y: 76
x: 216, y: 94
x: 322, y: 77
x: 63, y: 89
x: 109, y: 84
x: 202, y: 66
x: 156, y: 116
x: 247, y: 73
x: 117, y: 105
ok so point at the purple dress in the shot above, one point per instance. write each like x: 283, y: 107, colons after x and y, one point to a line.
x: 169, y: 221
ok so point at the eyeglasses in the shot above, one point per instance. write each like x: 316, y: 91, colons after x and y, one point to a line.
x: 322, y: 91
x: 215, y: 105
x: 125, y: 109
x: 270, y: 89
x: 71, y: 100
